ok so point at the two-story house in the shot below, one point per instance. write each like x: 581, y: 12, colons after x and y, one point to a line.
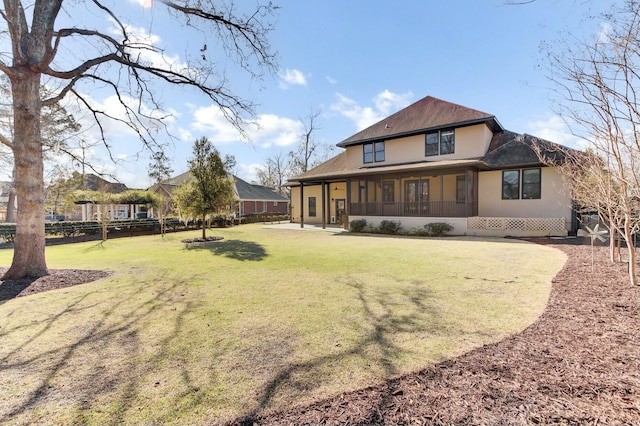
x: 435, y: 161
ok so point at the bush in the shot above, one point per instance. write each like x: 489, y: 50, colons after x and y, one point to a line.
x: 435, y: 229
x: 389, y: 227
x: 357, y: 225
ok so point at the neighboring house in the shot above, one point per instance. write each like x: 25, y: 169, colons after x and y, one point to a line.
x: 4, y: 200
x: 258, y: 199
x: 251, y: 198
x: 92, y: 210
x: 436, y: 161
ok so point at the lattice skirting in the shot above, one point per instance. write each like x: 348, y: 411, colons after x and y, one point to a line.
x: 535, y: 224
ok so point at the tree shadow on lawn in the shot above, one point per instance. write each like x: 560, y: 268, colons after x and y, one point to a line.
x: 82, y: 372
x: 233, y: 249
x: 383, y: 317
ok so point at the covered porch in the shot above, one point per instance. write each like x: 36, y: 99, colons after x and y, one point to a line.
x: 444, y: 193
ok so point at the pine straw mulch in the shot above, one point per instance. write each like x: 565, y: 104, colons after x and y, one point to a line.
x: 578, y: 364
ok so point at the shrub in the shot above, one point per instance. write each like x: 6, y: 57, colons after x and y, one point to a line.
x: 357, y: 225
x: 436, y: 229
x: 389, y: 227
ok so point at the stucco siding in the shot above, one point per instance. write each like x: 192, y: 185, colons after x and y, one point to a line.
x: 554, y: 200
x: 408, y: 223
x: 470, y: 142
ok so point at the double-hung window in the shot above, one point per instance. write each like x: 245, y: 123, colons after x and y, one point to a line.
x: 373, y: 152
x: 531, y: 184
x: 440, y: 143
x: 521, y: 184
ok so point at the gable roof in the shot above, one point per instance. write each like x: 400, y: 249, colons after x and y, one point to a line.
x: 428, y: 113
x: 93, y: 182
x: 243, y: 189
x: 249, y: 191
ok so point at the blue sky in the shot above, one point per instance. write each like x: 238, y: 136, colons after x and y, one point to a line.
x: 358, y: 61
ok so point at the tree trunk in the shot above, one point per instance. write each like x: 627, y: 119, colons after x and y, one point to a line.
x: 28, y: 253
x: 612, y: 242
x: 11, y: 204
x: 204, y: 229
x: 631, y: 250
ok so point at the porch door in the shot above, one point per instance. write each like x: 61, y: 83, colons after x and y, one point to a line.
x: 411, y: 198
x: 341, y: 207
x: 424, y: 197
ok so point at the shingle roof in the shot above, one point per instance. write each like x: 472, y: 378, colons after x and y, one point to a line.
x: 510, y: 149
x: 427, y: 113
x: 326, y: 174
x: 506, y: 150
x: 96, y: 183
x: 244, y: 190
x: 248, y: 191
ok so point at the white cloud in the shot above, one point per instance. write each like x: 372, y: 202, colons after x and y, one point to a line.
x: 116, y: 126
x: 292, y: 77
x: 211, y: 121
x: 143, y: 3
x: 138, y: 45
x: 331, y: 80
x: 247, y: 172
x: 185, y: 135
x: 603, y: 36
x: 554, y: 129
x: 266, y: 130
x: 387, y: 102
x: 384, y: 102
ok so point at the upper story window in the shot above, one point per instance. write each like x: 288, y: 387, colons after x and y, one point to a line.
x: 440, y: 143
x: 373, y: 152
x: 530, y: 189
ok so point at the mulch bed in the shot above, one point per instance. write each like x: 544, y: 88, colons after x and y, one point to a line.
x: 57, y: 278
x: 578, y: 364
x: 201, y: 240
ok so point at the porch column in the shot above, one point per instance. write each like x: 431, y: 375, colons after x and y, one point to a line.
x: 466, y: 193
x: 324, y: 206
x: 441, y: 213
x: 301, y: 205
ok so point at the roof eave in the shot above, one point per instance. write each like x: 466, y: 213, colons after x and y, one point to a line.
x: 491, y: 122
x: 436, y: 165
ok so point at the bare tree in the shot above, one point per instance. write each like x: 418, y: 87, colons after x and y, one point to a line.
x: 59, y: 132
x: 118, y: 61
x: 274, y: 174
x: 599, y: 81
x: 300, y: 159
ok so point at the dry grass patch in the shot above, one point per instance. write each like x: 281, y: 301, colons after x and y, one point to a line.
x: 196, y: 333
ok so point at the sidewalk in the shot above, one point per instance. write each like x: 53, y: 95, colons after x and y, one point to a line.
x: 307, y: 227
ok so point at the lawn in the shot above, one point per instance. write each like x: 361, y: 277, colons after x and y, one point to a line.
x: 261, y: 320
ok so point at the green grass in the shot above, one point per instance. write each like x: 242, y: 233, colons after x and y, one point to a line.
x: 261, y: 320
